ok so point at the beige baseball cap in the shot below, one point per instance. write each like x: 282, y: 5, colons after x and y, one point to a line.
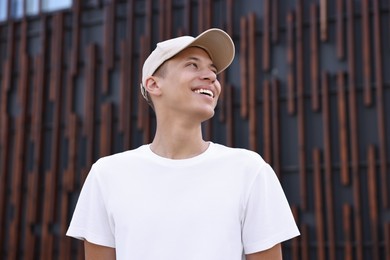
x: 214, y: 41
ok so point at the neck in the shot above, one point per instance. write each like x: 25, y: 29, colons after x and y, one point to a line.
x: 177, y: 141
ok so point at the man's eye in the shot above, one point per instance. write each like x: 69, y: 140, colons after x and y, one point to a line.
x: 193, y: 65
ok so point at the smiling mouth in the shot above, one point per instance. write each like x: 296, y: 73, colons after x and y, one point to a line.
x: 204, y: 92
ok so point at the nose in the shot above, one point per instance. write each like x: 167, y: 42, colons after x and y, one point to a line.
x: 209, y: 74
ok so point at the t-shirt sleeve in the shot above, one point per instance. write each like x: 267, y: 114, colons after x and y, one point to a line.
x: 90, y: 219
x: 268, y: 218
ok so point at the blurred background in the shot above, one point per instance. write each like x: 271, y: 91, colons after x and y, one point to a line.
x: 309, y: 89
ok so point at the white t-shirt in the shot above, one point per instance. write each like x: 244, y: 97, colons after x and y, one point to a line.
x: 221, y: 204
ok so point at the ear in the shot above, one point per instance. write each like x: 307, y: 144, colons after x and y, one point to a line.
x: 152, y: 86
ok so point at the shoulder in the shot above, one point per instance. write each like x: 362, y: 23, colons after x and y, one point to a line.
x: 121, y: 157
x: 239, y: 155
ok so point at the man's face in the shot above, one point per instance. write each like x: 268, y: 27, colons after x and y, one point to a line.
x: 190, y: 86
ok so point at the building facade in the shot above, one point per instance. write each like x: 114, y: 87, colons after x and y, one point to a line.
x: 309, y: 89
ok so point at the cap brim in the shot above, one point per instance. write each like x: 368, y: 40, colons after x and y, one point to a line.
x: 218, y: 45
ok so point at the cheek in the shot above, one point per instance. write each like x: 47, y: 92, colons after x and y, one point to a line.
x: 218, y: 88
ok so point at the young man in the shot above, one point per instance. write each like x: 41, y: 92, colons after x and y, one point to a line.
x: 182, y: 197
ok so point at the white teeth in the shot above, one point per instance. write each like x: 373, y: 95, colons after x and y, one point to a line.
x: 204, y: 91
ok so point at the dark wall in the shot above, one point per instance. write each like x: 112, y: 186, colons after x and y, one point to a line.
x: 309, y: 90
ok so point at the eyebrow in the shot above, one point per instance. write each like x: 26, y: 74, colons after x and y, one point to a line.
x: 197, y: 59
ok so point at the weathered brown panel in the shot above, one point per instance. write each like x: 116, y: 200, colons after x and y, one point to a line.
x: 380, y: 104
x: 318, y: 202
x: 252, y: 81
x: 314, y: 57
x: 301, y: 104
x: 366, y: 45
x: 244, y: 66
x: 343, y: 128
x: 373, y: 202
x: 328, y: 167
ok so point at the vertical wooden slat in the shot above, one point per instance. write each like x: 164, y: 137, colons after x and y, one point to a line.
x: 204, y: 15
x: 36, y: 186
x: 168, y: 17
x: 37, y: 138
x: 324, y: 19
x: 340, y: 29
x: 267, y: 125
x: 373, y: 201
x: 343, y: 128
x: 230, y: 17
x: 109, y: 43
x: 305, y: 242
x: 354, y: 134
x: 229, y: 115
x: 314, y: 57
x: 106, y: 130
x: 276, y: 160
x: 5, y: 131
x: 19, y: 159
x: 387, y: 240
x: 126, y: 93
x: 290, y: 63
x: 188, y: 17
x: 328, y: 167
x: 89, y: 104
x: 142, y: 105
x: 296, y: 241
x: 49, y: 207
x: 301, y: 104
x: 366, y: 46
x: 243, y: 66
x: 347, y: 228
x: 68, y: 184
x: 318, y: 202
x: 4, y: 145
x: 222, y: 98
x: 275, y: 21
x: 380, y: 104
x: 266, y: 35
x: 252, y: 81
x: 76, y: 17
